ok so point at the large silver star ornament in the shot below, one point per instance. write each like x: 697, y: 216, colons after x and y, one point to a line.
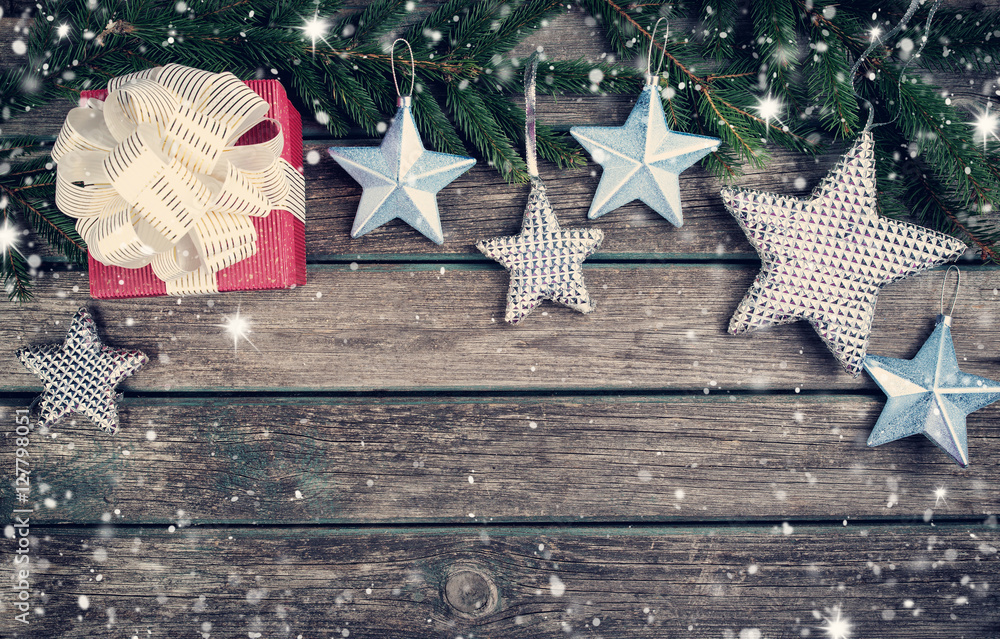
x: 545, y: 261
x: 400, y: 178
x: 929, y: 395
x: 80, y: 375
x: 825, y: 259
x: 642, y: 159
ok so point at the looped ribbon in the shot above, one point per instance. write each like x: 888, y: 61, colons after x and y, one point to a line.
x: 153, y: 176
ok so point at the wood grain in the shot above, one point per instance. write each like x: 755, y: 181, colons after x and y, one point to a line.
x: 896, y: 582
x: 495, y: 460
x: 382, y: 327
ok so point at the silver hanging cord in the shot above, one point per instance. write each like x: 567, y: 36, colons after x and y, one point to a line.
x: 392, y: 65
x: 944, y: 285
x: 876, y: 41
x: 530, y: 141
x: 649, y: 56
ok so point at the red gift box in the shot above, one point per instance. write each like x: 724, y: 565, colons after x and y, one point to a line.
x: 280, y: 260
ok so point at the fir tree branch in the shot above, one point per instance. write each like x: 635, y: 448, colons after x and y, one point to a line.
x: 718, y: 18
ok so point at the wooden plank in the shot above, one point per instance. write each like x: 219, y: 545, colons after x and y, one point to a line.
x: 489, y: 460
x: 657, y: 327
x: 897, y: 582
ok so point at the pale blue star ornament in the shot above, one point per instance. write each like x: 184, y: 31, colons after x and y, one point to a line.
x: 400, y: 178
x: 643, y: 159
x: 929, y: 395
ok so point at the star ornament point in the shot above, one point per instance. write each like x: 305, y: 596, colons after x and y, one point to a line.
x: 400, y: 179
x: 642, y: 159
x: 80, y: 375
x: 929, y: 395
x: 544, y: 260
x: 824, y: 259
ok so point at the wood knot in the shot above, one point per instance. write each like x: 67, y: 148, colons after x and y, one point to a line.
x: 470, y: 591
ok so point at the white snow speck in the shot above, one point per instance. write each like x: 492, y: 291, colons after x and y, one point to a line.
x: 786, y: 528
x: 19, y: 47
x: 532, y: 425
x: 556, y: 586
x: 151, y: 435
x: 312, y: 157
x: 84, y: 602
x: 750, y: 633
x: 472, y: 479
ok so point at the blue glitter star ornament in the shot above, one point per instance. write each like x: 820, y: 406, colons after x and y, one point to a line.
x: 929, y: 395
x: 400, y: 178
x: 643, y: 159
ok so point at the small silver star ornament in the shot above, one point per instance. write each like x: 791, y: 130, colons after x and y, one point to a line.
x: 400, y: 178
x: 80, y: 375
x: 929, y: 395
x: 825, y: 258
x: 643, y: 159
x: 544, y: 260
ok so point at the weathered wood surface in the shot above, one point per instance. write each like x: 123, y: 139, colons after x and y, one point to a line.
x: 419, y: 327
x: 483, y: 460
x: 749, y: 491
x: 780, y: 581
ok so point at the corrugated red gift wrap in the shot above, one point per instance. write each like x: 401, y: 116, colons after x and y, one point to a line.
x: 280, y: 260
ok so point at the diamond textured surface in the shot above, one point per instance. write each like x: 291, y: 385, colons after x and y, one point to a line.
x: 929, y: 395
x: 80, y: 375
x: 826, y: 258
x: 544, y: 260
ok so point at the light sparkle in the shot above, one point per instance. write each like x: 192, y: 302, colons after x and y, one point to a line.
x: 62, y: 30
x: 315, y: 29
x: 835, y: 626
x: 939, y: 495
x: 238, y: 328
x: 9, y: 235
x: 986, y: 125
x: 768, y: 109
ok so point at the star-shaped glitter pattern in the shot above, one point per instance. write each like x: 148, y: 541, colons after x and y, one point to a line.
x: 400, y: 179
x: 826, y: 258
x: 930, y: 395
x: 545, y: 261
x: 80, y: 374
x: 642, y: 159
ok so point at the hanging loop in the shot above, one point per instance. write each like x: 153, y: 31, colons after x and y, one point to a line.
x: 877, y: 40
x: 530, y: 134
x: 413, y: 70
x: 649, y: 56
x: 944, y: 285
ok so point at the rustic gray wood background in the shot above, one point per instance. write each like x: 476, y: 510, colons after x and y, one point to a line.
x: 392, y: 460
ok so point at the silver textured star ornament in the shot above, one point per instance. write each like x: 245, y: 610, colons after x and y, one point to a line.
x: 400, y: 178
x: 825, y: 258
x: 80, y: 375
x: 642, y: 159
x: 544, y: 260
x: 929, y: 395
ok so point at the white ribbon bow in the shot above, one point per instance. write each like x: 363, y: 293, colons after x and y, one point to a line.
x: 152, y: 176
